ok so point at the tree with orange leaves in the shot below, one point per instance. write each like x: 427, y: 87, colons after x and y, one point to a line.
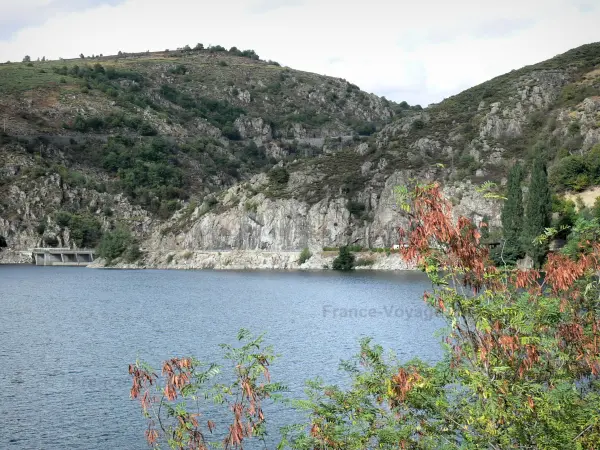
x: 523, y: 353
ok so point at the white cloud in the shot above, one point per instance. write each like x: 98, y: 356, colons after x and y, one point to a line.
x: 416, y: 51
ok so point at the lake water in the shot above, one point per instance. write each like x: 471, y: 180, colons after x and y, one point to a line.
x: 67, y: 336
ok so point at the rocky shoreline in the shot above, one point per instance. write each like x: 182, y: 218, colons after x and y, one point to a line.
x: 255, y: 260
x: 234, y: 260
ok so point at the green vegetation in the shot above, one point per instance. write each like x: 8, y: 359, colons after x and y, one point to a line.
x: 113, y: 121
x: 305, y: 255
x: 17, y: 78
x: 512, y: 217
x: 148, y: 172
x: 583, y: 235
x: 577, y: 172
x: 118, y: 243
x: 537, y: 211
x: 279, y: 176
x: 86, y: 229
x: 365, y: 129
x: 344, y: 261
x: 220, y: 113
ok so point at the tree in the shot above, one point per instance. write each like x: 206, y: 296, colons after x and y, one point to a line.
x: 344, y: 261
x: 115, y: 243
x: 305, y: 255
x: 82, y: 56
x: 537, y: 211
x: 86, y: 230
x: 512, y: 217
x: 27, y: 58
x: 199, y: 47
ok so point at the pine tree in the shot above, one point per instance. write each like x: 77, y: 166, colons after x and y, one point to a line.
x: 512, y: 217
x: 344, y: 261
x: 537, y: 211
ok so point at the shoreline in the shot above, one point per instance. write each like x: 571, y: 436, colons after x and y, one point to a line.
x: 236, y: 260
x: 256, y: 260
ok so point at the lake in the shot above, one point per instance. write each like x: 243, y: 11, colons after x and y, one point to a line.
x: 67, y: 336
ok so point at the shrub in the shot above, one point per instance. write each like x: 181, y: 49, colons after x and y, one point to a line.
x: 216, y: 49
x: 167, y: 208
x: 279, y: 175
x: 366, y: 129
x: 145, y: 129
x: 565, y: 173
x: 86, y: 230
x: 115, y: 243
x: 41, y: 227
x: 188, y: 383
x: 344, y: 261
x: 231, y: 133
x: 63, y: 218
x: 418, y: 124
x: 305, y: 255
x: 574, y: 128
x: 251, y: 206
x: 133, y: 253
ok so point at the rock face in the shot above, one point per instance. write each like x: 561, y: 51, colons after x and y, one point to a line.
x: 291, y: 225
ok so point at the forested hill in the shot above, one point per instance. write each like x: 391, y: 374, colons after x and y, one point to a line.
x: 212, y: 149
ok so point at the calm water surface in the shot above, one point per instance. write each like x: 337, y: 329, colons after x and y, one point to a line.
x: 68, y: 334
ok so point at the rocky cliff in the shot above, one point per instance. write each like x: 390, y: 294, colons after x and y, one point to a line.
x: 207, y: 154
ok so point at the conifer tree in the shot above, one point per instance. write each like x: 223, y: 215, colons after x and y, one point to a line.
x: 537, y: 211
x: 512, y: 217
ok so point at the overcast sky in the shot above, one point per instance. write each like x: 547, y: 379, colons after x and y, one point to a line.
x: 420, y: 51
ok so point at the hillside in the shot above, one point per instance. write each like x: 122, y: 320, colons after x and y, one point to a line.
x: 201, y: 150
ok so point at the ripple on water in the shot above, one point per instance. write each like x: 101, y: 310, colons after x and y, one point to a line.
x: 68, y: 335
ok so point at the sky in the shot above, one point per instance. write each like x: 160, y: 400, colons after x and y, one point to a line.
x: 420, y: 51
